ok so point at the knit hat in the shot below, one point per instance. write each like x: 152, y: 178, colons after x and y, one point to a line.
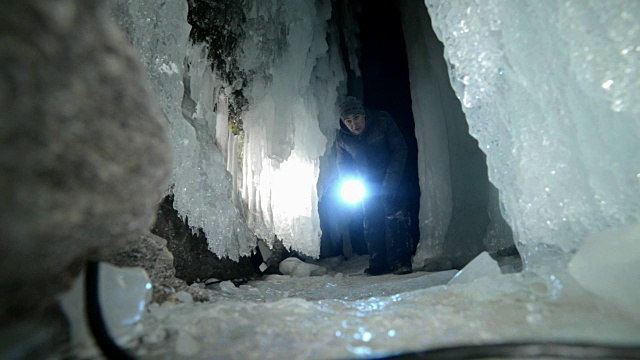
x: 350, y: 106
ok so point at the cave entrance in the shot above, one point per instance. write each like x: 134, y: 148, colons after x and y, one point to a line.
x: 384, y: 84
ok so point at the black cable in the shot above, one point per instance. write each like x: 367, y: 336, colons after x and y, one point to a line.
x: 109, y: 348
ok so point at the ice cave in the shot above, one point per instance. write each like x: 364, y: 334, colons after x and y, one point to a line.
x: 184, y: 151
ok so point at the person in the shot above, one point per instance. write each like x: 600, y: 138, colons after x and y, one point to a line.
x: 371, y: 147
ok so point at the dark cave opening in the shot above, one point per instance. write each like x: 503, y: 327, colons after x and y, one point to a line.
x: 385, y: 85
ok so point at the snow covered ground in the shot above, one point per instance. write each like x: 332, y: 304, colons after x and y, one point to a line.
x: 347, y: 315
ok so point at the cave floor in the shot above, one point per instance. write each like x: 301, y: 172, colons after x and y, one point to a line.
x: 348, y: 315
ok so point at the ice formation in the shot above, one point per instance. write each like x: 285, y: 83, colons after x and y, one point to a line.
x: 293, y: 81
x: 291, y: 118
x: 551, y: 90
x: 431, y: 133
x: 200, y: 182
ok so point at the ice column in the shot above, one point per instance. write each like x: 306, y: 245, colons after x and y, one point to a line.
x: 551, y: 90
x: 431, y: 133
x: 292, y: 112
x: 202, y: 187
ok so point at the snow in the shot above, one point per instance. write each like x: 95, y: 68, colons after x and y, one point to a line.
x: 345, y: 314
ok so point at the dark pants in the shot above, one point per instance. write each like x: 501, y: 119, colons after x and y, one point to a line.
x: 386, y: 231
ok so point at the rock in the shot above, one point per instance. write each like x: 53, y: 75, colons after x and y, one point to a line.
x: 297, y: 268
x: 150, y: 253
x: 192, y: 258
x: 84, y: 157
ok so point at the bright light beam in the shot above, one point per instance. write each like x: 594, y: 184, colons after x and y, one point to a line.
x: 352, y: 191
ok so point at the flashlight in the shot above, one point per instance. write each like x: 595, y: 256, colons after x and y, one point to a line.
x: 352, y: 191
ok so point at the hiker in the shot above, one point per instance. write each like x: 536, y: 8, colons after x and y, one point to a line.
x: 371, y: 148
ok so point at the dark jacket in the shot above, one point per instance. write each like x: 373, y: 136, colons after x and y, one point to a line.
x: 378, y: 154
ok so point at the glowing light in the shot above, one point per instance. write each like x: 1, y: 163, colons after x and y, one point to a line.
x: 352, y: 191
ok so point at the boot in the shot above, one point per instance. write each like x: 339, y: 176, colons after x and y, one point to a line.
x: 402, y: 269
x: 375, y: 271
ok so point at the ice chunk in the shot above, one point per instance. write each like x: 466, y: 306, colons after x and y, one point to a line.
x: 123, y: 294
x: 297, y: 268
x: 481, y: 266
x: 183, y: 297
x: 228, y: 287
x: 607, y: 266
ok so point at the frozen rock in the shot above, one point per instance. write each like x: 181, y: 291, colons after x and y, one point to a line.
x: 183, y: 297
x: 150, y: 253
x: 607, y: 266
x: 483, y: 265
x: 298, y: 268
x: 123, y: 294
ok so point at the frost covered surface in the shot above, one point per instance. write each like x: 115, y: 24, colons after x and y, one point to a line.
x: 551, y: 90
x: 291, y: 117
x: 347, y: 315
x: 159, y: 31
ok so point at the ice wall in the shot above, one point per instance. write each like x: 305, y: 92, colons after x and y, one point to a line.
x: 431, y: 134
x: 551, y: 90
x: 292, y: 53
x: 186, y: 89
